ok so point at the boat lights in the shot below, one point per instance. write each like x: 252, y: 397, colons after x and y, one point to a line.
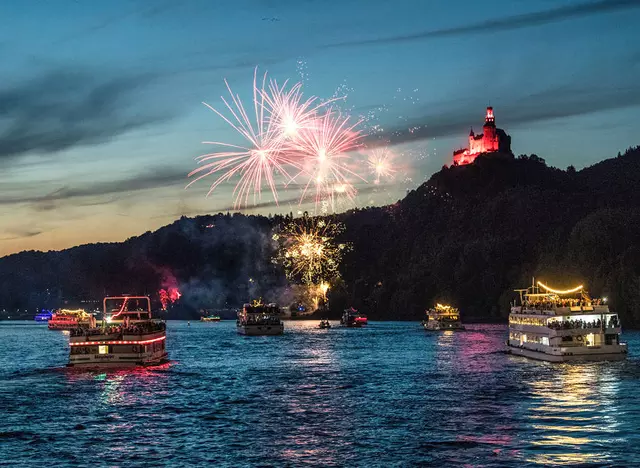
x: 94, y: 343
x: 568, y: 291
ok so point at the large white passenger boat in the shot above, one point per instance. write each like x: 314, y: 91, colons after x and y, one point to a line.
x: 443, y: 317
x: 127, y: 336
x: 559, y: 326
x: 260, y: 320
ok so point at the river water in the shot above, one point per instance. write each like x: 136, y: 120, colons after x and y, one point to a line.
x: 387, y: 395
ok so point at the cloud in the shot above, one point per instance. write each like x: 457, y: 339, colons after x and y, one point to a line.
x: 507, y: 23
x: 21, y: 234
x: 64, y: 109
x: 162, y: 177
x: 104, y: 23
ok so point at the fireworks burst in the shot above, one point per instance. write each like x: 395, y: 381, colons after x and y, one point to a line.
x: 381, y: 164
x: 309, y: 251
x: 288, y: 138
x: 325, y: 152
x: 256, y: 163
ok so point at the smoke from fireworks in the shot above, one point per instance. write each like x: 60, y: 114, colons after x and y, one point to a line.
x: 289, y: 138
x: 309, y: 251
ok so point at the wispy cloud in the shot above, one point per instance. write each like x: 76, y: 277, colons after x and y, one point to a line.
x: 162, y: 177
x: 65, y: 109
x: 21, y: 234
x: 506, y: 23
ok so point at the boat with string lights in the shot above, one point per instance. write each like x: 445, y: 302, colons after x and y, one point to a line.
x: 67, y: 319
x: 443, y: 317
x: 210, y: 318
x: 564, y: 325
x: 127, y: 336
x: 258, y: 319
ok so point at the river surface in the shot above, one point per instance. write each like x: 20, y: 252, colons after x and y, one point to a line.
x: 387, y: 395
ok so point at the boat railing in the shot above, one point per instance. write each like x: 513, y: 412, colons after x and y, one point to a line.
x: 117, y: 332
x: 551, y: 310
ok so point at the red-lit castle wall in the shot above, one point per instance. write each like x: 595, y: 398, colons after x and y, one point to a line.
x: 486, y: 142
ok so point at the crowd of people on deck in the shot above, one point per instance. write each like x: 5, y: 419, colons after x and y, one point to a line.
x: 126, y: 328
x: 259, y: 320
x: 571, y: 324
x: 549, y: 305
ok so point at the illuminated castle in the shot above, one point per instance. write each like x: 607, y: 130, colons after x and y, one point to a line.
x: 491, y: 140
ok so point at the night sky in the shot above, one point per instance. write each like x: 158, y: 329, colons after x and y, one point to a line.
x: 101, y: 115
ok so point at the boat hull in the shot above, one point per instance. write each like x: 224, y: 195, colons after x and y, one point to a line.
x: 260, y: 330
x: 118, y: 360
x: 607, y: 353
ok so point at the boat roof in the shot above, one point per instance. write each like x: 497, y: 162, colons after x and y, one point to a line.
x: 143, y: 304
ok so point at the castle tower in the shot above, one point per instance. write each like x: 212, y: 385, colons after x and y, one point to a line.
x: 489, y: 135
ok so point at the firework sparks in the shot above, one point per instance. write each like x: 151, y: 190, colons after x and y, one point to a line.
x: 289, y: 112
x: 309, y: 251
x: 327, y: 163
x: 381, y: 164
x: 168, y: 296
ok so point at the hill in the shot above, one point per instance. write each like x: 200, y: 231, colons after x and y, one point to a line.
x: 469, y: 236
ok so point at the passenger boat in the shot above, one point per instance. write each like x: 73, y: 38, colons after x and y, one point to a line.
x: 128, y: 336
x: 558, y: 326
x: 210, y: 318
x: 255, y: 320
x: 443, y: 317
x: 352, y: 318
x: 324, y: 323
x: 66, y: 319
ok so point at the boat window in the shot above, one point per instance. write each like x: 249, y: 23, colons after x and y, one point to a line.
x: 103, y: 349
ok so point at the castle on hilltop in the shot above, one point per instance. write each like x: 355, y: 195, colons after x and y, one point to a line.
x: 491, y: 140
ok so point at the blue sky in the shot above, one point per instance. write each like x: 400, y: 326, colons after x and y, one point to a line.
x: 101, y: 115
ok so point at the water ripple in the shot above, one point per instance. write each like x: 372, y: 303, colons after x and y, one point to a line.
x: 387, y: 395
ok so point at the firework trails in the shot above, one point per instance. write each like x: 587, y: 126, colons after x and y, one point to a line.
x: 309, y: 251
x: 287, y: 139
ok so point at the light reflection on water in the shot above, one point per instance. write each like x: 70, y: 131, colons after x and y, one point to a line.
x: 575, y: 414
x: 389, y: 394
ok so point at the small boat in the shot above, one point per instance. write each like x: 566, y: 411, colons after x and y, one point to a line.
x: 128, y: 336
x: 352, y: 318
x: 324, y: 323
x: 256, y: 320
x: 210, y: 318
x: 564, y: 325
x: 67, y: 319
x: 43, y: 316
x: 443, y: 317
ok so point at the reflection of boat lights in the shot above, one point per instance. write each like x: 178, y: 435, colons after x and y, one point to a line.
x: 569, y: 416
x: 567, y: 291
